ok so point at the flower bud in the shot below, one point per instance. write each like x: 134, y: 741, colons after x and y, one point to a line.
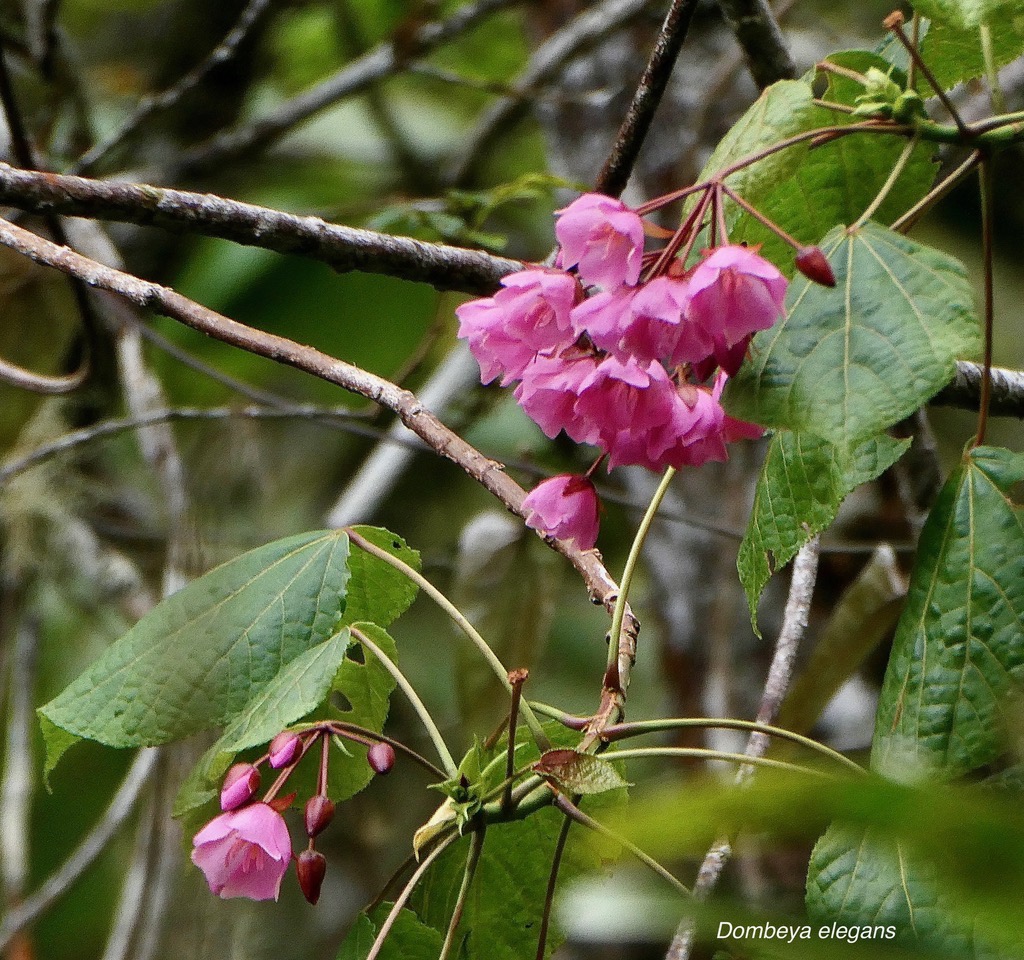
x: 284, y: 749
x: 310, y: 868
x: 318, y: 814
x: 381, y: 757
x: 811, y: 262
x: 240, y: 785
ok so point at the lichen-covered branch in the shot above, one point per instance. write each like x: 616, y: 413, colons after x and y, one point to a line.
x: 343, y: 248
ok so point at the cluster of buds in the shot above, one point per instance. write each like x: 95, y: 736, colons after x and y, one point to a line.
x: 247, y: 849
x: 625, y: 350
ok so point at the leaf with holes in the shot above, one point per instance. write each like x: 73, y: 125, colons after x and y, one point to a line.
x: 802, y: 484
x: 378, y: 593
x: 952, y: 688
x: 199, y: 658
x: 845, y: 363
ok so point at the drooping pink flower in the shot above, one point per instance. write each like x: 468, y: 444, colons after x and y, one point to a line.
x: 699, y: 428
x: 733, y: 293
x: 529, y: 315
x: 623, y: 402
x: 603, y: 238
x: 244, y: 853
x: 566, y: 507
x: 549, y: 391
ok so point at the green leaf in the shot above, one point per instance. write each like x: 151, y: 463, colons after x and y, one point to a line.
x: 378, y: 593
x: 953, y: 682
x: 57, y: 741
x: 807, y: 192
x: 579, y: 772
x: 367, y: 687
x: 802, y: 484
x: 503, y: 912
x: 299, y: 688
x: 409, y: 938
x: 860, y: 878
x: 198, y: 659
x: 847, y: 362
x: 955, y: 54
x: 965, y: 14
x: 201, y: 785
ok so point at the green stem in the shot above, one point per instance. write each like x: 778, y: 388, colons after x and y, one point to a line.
x: 403, y: 897
x: 618, y: 614
x: 641, y: 727
x: 991, y: 70
x: 460, y: 621
x: 987, y: 231
x: 638, y: 753
x: 894, y: 175
x: 472, y: 859
x: 919, y: 209
x: 549, y: 893
x: 571, y: 810
x: 450, y: 766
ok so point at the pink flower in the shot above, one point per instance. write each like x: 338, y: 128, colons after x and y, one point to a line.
x: 565, y: 507
x: 699, y: 428
x: 623, y: 402
x: 244, y: 853
x: 549, y: 391
x: 528, y: 316
x: 603, y: 238
x: 734, y: 292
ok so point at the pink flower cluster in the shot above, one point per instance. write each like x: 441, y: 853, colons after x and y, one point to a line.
x: 636, y: 368
x: 246, y: 850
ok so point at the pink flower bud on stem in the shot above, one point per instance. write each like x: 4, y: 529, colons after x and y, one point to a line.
x: 318, y: 814
x: 811, y: 262
x: 285, y: 748
x: 310, y: 867
x: 240, y: 786
x: 381, y: 757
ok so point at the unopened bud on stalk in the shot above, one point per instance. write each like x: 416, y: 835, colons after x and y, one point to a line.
x: 319, y: 813
x: 311, y: 867
x: 811, y: 262
x: 240, y: 785
x: 284, y: 748
x: 381, y: 757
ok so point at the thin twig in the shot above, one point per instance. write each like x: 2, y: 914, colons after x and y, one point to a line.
x: 780, y: 675
x: 381, y: 62
x: 582, y: 33
x: 343, y: 248
x: 617, y: 168
x: 154, y: 103
x: 760, y: 36
x: 91, y: 846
